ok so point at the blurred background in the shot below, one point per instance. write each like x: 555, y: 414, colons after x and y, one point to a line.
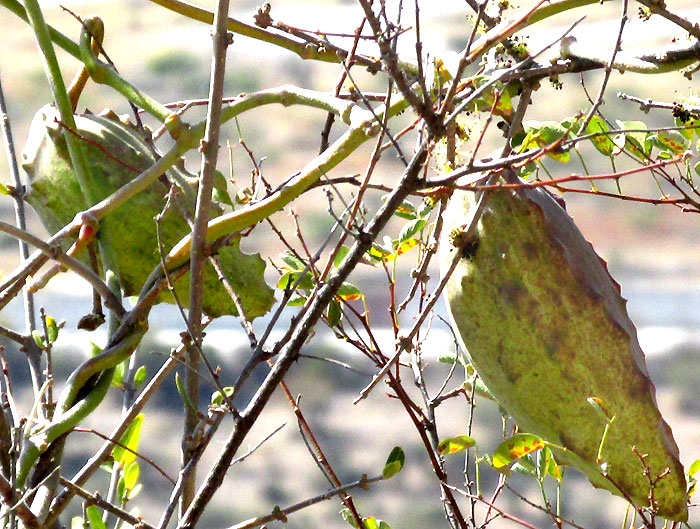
x: 652, y: 251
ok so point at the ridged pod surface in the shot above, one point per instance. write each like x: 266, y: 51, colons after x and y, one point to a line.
x: 116, y: 154
x: 546, y: 328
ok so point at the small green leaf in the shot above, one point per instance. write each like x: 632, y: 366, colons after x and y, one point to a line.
x: 394, y: 462
x: 38, y: 339
x: 220, y: 191
x: 118, y: 378
x: 180, y: 385
x: 296, y: 301
x: 129, y: 439
x: 525, y: 466
x: 673, y: 141
x: 52, y: 329
x: 349, y: 292
x: 217, y: 399
x: 290, y: 278
x: 334, y: 313
x: 342, y: 252
x: 447, y: 358
x: 346, y: 514
x: 95, y: 517
x: 134, y: 492
x: 410, y: 229
x: 694, y: 468
x: 604, y: 144
x: 599, y: 406
x: 292, y: 261
x: 5, y: 190
x: 406, y: 211
x: 94, y: 349
x: 378, y: 252
x: 131, y: 475
x: 426, y: 207
x: 140, y: 376
x: 544, y: 134
x: 452, y: 445
x: 514, y: 448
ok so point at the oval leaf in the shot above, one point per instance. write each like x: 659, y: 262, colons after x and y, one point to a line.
x: 514, y: 448
x: 394, y: 462
x: 452, y: 445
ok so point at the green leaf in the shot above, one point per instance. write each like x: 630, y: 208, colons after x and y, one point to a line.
x: 56, y: 196
x: 130, y: 439
x: 130, y: 475
x: 525, y: 466
x: 134, y: 492
x: 673, y: 141
x: 410, y: 229
x: 604, y: 144
x: 379, y: 252
x: 394, y: 462
x: 220, y: 191
x: 118, y: 378
x: 544, y: 134
x: 289, y: 278
x: 52, y: 329
x: 342, y: 252
x: 349, y: 292
x: 406, y: 210
x: 346, y: 514
x: 38, y: 339
x: 426, y: 207
x: 217, y: 399
x: 292, y: 261
x: 296, y: 301
x: 599, y: 406
x: 140, y: 376
x: 452, y: 445
x: 94, y: 349
x: 95, y: 517
x: 447, y: 358
x: 334, y: 313
x: 694, y: 468
x: 485, y: 102
x: 180, y: 385
x: 4, y: 190
x: 514, y: 448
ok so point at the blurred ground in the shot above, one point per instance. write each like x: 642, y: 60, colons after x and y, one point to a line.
x: 652, y: 251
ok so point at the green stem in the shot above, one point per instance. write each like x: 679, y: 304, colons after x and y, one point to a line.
x: 70, y: 411
x: 284, y: 95
x: 106, y: 74
x: 251, y: 215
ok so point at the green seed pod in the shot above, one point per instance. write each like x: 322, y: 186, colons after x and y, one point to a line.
x: 547, y: 330
x: 116, y: 154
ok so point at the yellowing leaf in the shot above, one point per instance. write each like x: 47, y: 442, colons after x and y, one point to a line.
x: 452, y: 445
x: 516, y: 447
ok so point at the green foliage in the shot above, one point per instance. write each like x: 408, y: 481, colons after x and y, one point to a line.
x: 394, y: 463
x: 129, y: 442
x: 217, y: 399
